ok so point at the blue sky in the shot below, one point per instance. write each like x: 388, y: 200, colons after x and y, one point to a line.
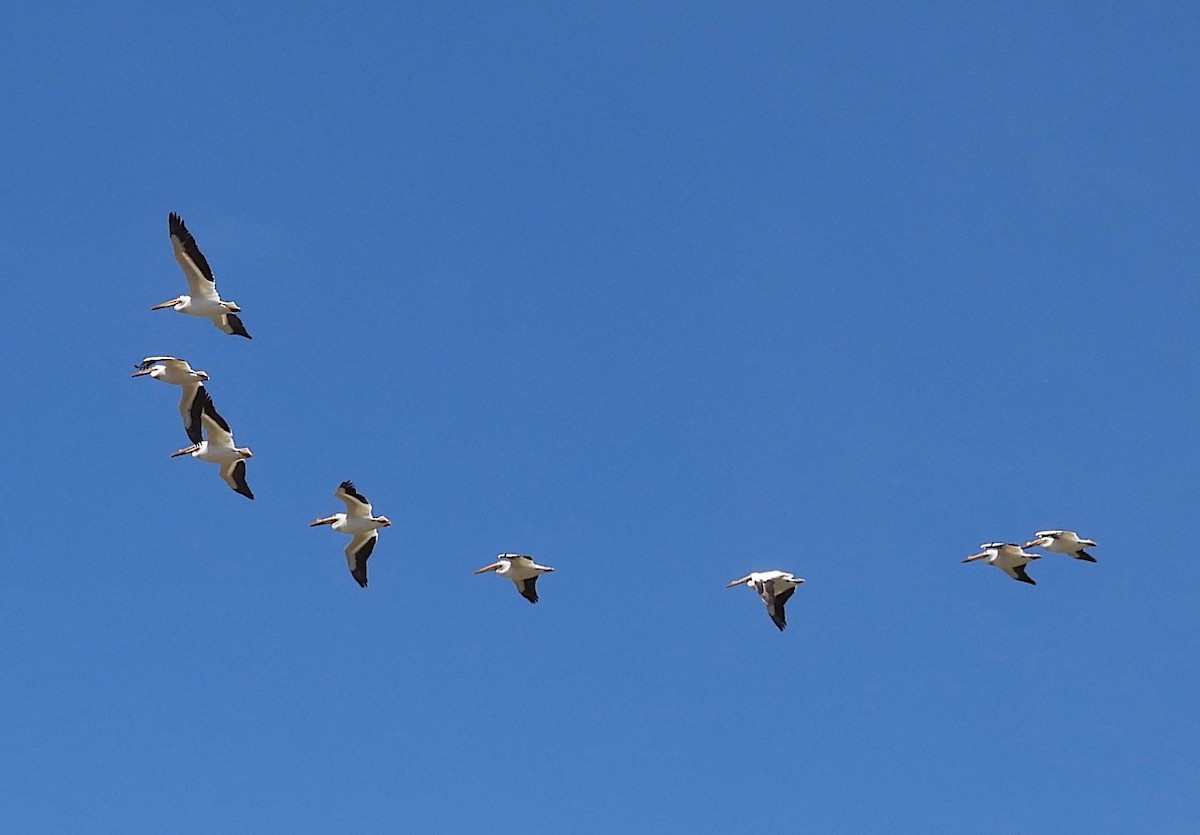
x: 660, y: 294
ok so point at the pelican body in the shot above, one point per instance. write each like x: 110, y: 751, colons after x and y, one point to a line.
x: 1063, y: 542
x: 203, y: 299
x: 177, y: 372
x: 1008, y: 557
x: 522, y: 570
x: 775, y: 588
x: 358, y: 523
x: 218, y: 447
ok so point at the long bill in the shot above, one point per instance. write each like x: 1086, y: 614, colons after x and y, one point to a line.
x: 974, y: 557
x: 496, y: 566
x: 328, y: 520
x: 187, y: 450
x: 740, y: 582
x: 166, y: 304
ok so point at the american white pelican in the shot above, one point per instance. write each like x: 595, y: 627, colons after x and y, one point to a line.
x: 178, y: 373
x: 775, y: 588
x: 1008, y: 557
x: 219, y: 448
x: 522, y: 570
x: 204, y: 299
x: 1063, y: 542
x: 358, y: 522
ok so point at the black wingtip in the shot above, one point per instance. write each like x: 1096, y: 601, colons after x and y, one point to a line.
x: 1085, y: 556
x: 239, y: 477
x: 1022, y: 576
x: 236, y: 328
x: 528, y: 589
x: 194, y: 427
x: 350, y: 490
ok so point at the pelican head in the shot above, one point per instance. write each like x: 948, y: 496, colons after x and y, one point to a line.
x: 232, y: 307
x: 980, y: 556
x: 1038, y: 542
x: 744, y: 581
x: 328, y: 520
x: 383, y: 521
x: 499, y: 566
x: 187, y: 450
x: 244, y: 452
x: 178, y: 300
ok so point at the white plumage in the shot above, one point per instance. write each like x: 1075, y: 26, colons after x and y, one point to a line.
x: 775, y: 588
x: 360, y: 524
x: 1008, y: 557
x: 522, y: 570
x: 202, y: 298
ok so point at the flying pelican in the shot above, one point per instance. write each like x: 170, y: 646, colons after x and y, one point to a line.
x: 358, y: 522
x: 219, y: 448
x: 204, y: 299
x: 1063, y: 542
x: 178, y: 373
x: 1008, y: 557
x: 775, y: 588
x: 522, y: 570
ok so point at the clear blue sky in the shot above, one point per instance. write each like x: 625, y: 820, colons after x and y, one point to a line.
x: 660, y: 294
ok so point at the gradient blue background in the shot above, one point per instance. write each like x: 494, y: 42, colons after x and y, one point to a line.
x: 660, y: 293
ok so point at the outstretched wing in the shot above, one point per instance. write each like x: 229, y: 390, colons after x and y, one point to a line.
x: 149, y: 362
x: 234, y: 475
x: 231, y: 324
x: 201, y: 283
x: 766, y: 590
x: 218, y: 430
x: 528, y: 588
x: 191, y: 409
x: 356, y: 503
x: 358, y: 552
x: 777, y: 613
x: 1017, y: 572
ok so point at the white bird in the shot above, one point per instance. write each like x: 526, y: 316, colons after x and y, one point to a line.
x: 177, y: 372
x: 775, y: 588
x: 359, y: 523
x: 219, y: 447
x: 1008, y: 557
x: 1063, y: 542
x: 204, y: 299
x: 522, y: 570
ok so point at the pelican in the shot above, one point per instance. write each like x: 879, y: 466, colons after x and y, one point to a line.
x: 204, y: 299
x: 219, y: 448
x: 522, y: 570
x: 358, y: 522
x: 775, y: 588
x: 1063, y: 542
x: 1008, y: 557
x: 177, y: 372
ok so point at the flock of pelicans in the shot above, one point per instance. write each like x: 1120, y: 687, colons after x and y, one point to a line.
x: 212, y: 441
